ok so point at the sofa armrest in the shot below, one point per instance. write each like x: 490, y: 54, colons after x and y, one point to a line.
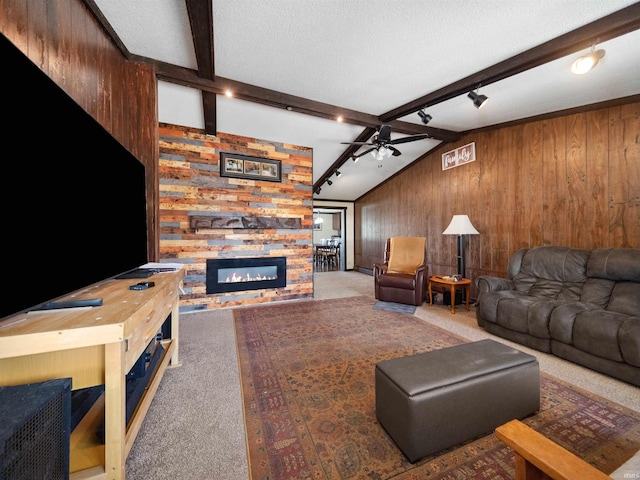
x: 537, y: 456
x: 486, y: 283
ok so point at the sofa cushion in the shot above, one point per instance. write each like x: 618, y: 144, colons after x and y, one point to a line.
x: 397, y: 280
x: 629, y: 336
x: 625, y: 298
x: 618, y: 264
x: 564, y: 316
x: 557, y: 273
x: 596, y: 332
x: 597, y: 291
x: 526, y: 314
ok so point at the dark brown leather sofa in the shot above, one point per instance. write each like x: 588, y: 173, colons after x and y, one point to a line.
x: 581, y: 305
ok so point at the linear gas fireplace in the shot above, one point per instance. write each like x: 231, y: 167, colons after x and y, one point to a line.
x: 239, y: 274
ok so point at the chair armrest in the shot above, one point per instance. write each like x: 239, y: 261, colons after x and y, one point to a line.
x: 535, y: 453
x: 379, y: 268
x: 486, y: 283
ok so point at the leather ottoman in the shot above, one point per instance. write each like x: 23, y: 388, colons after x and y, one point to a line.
x: 438, y: 399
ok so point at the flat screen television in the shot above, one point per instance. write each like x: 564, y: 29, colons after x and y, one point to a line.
x: 73, y: 199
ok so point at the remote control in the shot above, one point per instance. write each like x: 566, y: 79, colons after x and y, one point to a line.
x: 142, y: 285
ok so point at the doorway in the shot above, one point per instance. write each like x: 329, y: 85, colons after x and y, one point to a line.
x: 329, y: 239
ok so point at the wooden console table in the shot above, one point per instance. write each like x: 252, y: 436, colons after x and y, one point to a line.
x: 96, y: 346
x: 451, y: 284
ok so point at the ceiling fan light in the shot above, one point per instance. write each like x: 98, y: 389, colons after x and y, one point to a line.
x: 586, y: 62
x: 478, y: 100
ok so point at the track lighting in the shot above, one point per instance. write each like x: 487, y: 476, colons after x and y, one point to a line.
x: 426, y: 118
x: 329, y: 182
x: 317, y: 192
x: 586, y: 62
x: 338, y: 173
x: 354, y: 158
x: 478, y: 100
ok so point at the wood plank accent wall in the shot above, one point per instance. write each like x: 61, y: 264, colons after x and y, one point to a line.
x: 571, y: 181
x: 191, y: 185
x: 65, y: 41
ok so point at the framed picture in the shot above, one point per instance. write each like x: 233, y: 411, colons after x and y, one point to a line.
x: 244, y: 166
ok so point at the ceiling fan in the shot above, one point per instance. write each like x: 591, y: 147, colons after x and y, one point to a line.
x: 382, y: 145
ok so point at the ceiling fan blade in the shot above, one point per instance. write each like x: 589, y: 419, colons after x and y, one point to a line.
x: 412, y: 138
x: 356, y: 143
x: 396, y: 152
x: 364, y: 153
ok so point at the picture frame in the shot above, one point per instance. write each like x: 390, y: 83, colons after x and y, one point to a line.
x: 254, y: 168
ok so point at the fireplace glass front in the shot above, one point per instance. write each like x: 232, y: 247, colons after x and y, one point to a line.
x: 239, y: 274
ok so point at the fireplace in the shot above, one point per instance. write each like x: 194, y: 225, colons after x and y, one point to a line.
x: 240, y: 274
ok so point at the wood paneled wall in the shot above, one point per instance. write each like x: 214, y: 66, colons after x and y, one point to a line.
x: 65, y: 41
x: 572, y: 181
x: 191, y: 185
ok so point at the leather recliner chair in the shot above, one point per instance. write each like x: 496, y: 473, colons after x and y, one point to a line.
x: 402, y: 280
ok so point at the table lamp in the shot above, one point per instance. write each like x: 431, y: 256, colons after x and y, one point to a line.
x: 461, y: 225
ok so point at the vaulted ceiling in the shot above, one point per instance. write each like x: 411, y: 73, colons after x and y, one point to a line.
x: 294, y: 68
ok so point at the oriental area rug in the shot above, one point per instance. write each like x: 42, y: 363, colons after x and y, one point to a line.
x: 307, y: 375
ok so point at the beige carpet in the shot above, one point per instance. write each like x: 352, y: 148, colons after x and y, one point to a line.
x: 195, y: 428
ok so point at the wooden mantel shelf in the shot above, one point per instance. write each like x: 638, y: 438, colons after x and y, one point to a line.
x: 210, y: 221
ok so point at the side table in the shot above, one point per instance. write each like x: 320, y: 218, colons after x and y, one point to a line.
x: 452, y: 284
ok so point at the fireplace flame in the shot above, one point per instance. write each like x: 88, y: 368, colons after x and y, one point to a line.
x: 235, y: 278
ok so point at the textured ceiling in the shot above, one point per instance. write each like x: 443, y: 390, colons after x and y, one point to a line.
x: 373, y: 56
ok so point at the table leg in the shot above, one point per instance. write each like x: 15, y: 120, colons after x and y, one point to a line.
x: 453, y: 298
x: 430, y: 294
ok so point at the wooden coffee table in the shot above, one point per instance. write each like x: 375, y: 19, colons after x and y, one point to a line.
x: 452, y: 284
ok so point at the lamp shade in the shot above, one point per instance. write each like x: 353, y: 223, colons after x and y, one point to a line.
x: 460, y: 225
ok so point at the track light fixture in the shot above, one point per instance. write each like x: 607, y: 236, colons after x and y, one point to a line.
x: 354, y: 158
x: 478, y: 100
x: 329, y: 182
x: 426, y: 118
x: 338, y: 173
x: 317, y: 192
x: 586, y: 62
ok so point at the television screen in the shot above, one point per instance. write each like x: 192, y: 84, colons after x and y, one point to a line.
x: 74, y: 204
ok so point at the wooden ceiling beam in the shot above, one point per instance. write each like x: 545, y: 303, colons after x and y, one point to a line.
x: 618, y: 23
x: 244, y: 91
x: 201, y: 21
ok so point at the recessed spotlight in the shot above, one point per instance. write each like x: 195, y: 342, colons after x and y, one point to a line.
x: 228, y: 93
x: 339, y: 119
